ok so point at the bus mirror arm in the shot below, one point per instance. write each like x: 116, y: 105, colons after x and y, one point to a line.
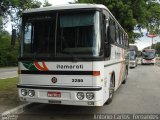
x: 13, y: 37
x: 106, y: 21
x: 136, y: 55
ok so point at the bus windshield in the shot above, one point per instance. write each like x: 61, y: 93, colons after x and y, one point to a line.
x: 148, y: 54
x: 61, y: 34
x: 132, y: 55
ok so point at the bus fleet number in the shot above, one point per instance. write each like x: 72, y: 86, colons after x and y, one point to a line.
x: 77, y: 80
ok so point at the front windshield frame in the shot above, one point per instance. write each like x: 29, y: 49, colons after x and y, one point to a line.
x: 54, y: 54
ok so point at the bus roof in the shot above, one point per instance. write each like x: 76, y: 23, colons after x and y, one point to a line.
x: 148, y: 50
x: 133, y: 47
x: 72, y: 6
x: 65, y: 7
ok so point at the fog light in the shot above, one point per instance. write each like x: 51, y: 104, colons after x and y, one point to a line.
x: 24, y: 92
x: 31, y: 93
x: 80, y: 95
x: 89, y: 95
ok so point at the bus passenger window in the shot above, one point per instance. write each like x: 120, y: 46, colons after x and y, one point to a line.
x: 28, y: 38
x: 112, y: 33
x: 117, y: 36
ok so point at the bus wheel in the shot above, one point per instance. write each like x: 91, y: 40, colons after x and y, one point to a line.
x: 111, y: 90
x: 126, y: 75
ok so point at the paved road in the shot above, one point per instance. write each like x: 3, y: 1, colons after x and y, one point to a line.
x: 8, y: 72
x: 139, y: 95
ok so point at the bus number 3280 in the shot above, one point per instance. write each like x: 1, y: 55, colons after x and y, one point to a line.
x: 77, y: 80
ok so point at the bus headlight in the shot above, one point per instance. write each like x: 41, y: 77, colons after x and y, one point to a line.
x: 31, y: 93
x: 89, y: 95
x: 24, y: 92
x: 80, y: 95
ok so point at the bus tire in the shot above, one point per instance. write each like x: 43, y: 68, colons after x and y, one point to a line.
x: 126, y: 75
x: 111, y: 90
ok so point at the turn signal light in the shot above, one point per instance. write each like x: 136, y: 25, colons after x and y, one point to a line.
x: 96, y: 73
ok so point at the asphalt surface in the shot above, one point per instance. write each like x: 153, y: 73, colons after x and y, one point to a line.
x: 8, y: 72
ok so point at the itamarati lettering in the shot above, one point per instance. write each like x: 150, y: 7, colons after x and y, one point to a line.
x: 69, y: 66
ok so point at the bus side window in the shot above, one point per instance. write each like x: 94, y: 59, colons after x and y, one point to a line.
x: 105, y: 29
x: 123, y: 40
x: 120, y: 36
x: 117, y: 35
x: 28, y: 45
x: 112, y: 31
x: 107, y: 37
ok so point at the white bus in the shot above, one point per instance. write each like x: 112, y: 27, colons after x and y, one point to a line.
x: 148, y: 56
x: 72, y: 55
x: 133, y: 61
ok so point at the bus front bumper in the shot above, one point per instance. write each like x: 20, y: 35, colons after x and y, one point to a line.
x: 64, y: 97
x: 132, y: 64
x: 148, y: 61
x: 64, y: 102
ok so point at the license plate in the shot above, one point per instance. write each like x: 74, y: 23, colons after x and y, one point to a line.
x: 148, y: 60
x: 54, y: 94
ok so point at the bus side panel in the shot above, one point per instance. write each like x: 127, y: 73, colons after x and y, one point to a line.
x: 116, y: 65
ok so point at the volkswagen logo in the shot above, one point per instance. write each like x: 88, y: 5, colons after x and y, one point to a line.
x: 54, y: 80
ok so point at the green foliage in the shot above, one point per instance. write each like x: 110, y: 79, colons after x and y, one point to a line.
x: 130, y: 13
x: 123, y: 12
x: 156, y: 47
x: 7, y: 5
x: 12, y: 9
x: 8, y: 53
x: 1, y: 24
x: 46, y: 3
x: 154, y: 18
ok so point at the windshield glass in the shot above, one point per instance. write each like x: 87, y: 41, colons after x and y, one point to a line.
x: 132, y: 55
x: 149, y: 54
x: 39, y: 35
x: 62, y: 34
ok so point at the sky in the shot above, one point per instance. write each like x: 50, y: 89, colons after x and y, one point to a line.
x: 146, y: 41
x: 141, y: 42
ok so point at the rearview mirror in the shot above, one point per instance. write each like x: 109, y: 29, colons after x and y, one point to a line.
x: 107, y: 51
x: 13, y: 38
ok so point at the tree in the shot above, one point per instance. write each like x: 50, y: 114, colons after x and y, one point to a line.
x: 8, y: 53
x: 6, y: 6
x: 122, y: 11
x: 12, y: 9
x: 46, y: 3
x: 131, y: 13
x: 157, y: 48
x: 154, y: 18
x: 1, y: 24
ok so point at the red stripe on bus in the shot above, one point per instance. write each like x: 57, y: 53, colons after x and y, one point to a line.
x: 122, y: 67
x: 44, y: 68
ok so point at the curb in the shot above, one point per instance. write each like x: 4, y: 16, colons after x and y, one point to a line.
x: 8, y: 77
x: 12, y: 114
